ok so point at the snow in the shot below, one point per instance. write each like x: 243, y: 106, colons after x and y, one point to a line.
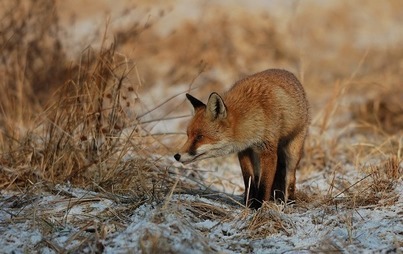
x: 18, y: 237
x: 372, y: 230
x: 192, y: 224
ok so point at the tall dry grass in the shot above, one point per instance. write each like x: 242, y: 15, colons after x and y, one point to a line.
x: 70, y: 121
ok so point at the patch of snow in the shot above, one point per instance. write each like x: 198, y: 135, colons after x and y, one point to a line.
x: 18, y: 237
x: 178, y: 226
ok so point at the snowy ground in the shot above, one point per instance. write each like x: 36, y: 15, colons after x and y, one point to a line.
x: 65, y: 219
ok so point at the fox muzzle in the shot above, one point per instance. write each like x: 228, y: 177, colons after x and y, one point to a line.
x: 177, y: 156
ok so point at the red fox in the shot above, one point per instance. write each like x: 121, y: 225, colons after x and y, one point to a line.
x: 264, y: 118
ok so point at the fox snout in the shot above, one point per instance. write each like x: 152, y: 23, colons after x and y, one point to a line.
x: 185, y: 158
x: 177, y: 156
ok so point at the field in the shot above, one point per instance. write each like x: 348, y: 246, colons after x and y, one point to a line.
x: 93, y: 107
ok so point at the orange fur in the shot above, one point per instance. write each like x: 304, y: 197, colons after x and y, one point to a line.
x: 264, y: 118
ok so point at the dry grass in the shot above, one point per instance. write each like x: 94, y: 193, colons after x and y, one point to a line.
x: 269, y: 220
x: 383, y: 111
x: 83, y: 129
x: 77, y: 121
x: 374, y: 189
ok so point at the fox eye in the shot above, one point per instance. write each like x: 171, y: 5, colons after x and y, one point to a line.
x: 199, y: 137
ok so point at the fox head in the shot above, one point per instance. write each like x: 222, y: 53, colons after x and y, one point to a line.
x: 207, y: 131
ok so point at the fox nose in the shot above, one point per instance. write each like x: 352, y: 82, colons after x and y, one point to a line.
x: 177, y: 156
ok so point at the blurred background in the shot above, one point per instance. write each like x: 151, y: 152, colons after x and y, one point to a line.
x: 208, y: 45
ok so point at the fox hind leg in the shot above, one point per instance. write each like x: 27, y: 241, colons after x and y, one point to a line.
x: 293, y: 152
x: 278, y: 189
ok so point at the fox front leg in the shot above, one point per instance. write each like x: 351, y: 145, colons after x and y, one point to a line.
x: 268, y: 166
x: 247, y: 160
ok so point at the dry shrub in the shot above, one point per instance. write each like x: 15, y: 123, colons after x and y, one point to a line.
x: 206, y: 211
x: 385, y: 110
x: 268, y: 220
x: 376, y: 188
x: 87, y: 135
x: 385, y: 176
x: 322, y: 146
x: 74, y: 121
x: 32, y: 60
x: 87, y: 132
x: 376, y: 97
x: 303, y: 199
x: 319, y: 153
x: 76, y: 131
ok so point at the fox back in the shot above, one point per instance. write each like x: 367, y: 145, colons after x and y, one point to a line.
x: 264, y: 118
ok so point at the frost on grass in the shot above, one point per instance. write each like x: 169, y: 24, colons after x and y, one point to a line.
x: 73, y: 219
x: 191, y: 224
x: 48, y: 222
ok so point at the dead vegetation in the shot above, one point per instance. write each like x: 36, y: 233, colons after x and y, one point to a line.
x: 77, y: 122
x: 80, y: 129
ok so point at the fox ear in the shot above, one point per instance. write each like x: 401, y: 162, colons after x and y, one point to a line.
x: 195, y: 102
x: 216, y: 108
